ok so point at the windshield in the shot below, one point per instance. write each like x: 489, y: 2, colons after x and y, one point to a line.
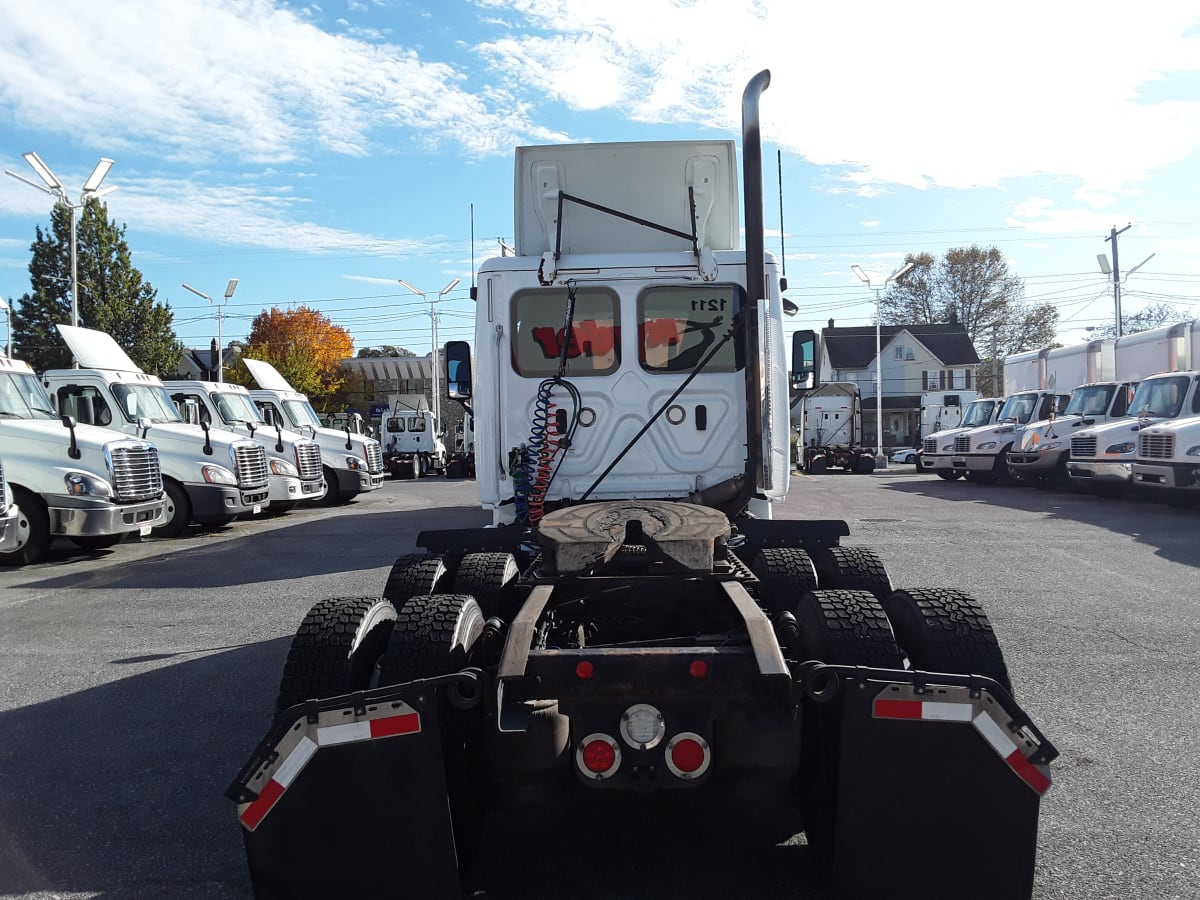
x: 1160, y: 397
x: 978, y: 413
x: 23, y: 397
x: 1090, y: 401
x: 152, y: 402
x: 237, y: 408
x: 301, y: 414
x: 1019, y: 408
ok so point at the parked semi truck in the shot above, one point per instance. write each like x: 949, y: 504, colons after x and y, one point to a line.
x: 636, y: 636
x: 461, y: 460
x: 66, y: 478
x: 352, y: 463
x: 1168, y: 455
x: 210, y: 475
x: 938, y: 448
x: 293, y: 460
x: 412, y: 446
x: 980, y: 454
x: 831, y: 430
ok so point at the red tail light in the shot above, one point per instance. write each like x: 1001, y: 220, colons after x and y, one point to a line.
x: 688, y: 755
x: 598, y: 756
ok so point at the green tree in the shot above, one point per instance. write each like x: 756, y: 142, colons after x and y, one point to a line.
x: 974, y: 286
x: 113, y: 296
x: 386, y: 351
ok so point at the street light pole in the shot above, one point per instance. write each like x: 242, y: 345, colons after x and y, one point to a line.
x: 434, y: 357
x: 52, y: 186
x: 229, y: 289
x: 7, y: 328
x: 880, y: 456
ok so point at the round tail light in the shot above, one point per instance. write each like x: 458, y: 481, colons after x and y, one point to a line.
x: 598, y: 756
x: 688, y: 755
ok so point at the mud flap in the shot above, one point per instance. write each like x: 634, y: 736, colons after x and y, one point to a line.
x: 938, y: 786
x: 347, y: 798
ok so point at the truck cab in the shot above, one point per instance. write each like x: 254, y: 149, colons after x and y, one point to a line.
x: 1168, y: 456
x: 937, y: 448
x: 411, y: 445
x: 980, y: 454
x: 65, y: 478
x: 210, y: 475
x: 1102, y: 457
x: 294, y: 460
x: 1041, y: 455
x: 352, y: 463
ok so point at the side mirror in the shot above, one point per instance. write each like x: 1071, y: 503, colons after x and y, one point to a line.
x: 804, y: 374
x: 458, y: 370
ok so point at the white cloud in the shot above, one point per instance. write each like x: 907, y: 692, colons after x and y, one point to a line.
x: 1042, y: 216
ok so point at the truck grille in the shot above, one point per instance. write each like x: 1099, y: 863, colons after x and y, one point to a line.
x: 1083, y: 447
x: 962, y: 444
x: 1, y: 486
x: 1156, y: 446
x: 929, y: 445
x: 136, y: 474
x: 308, y: 458
x: 250, y: 460
x: 374, y: 458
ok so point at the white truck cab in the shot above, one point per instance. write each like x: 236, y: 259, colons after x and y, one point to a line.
x: 1102, y: 457
x: 293, y: 459
x: 934, y: 447
x: 1042, y: 453
x: 1168, y: 456
x: 980, y: 454
x: 68, y: 479
x: 210, y: 475
x: 352, y: 463
x: 411, y: 445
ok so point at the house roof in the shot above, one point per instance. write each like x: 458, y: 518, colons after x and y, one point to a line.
x: 854, y: 348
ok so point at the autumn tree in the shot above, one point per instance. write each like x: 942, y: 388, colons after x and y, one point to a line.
x: 113, y: 296
x: 974, y: 286
x: 304, y: 345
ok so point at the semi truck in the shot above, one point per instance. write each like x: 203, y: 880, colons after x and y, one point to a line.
x: 210, y: 476
x: 461, y: 460
x: 412, y: 446
x: 352, y: 463
x: 293, y: 460
x: 831, y: 430
x: 938, y: 448
x: 1168, y: 456
x: 66, y: 478
x: 636, y: 636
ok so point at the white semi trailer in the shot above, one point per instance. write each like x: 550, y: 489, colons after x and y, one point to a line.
x: 67, y: 478
x: 210, y: 475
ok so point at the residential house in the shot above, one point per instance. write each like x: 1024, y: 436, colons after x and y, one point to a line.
x: 915, y: 359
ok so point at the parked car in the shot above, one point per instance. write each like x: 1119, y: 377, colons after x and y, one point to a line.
x: 905, y: 455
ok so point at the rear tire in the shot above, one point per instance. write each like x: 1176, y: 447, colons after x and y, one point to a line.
x: 414, y: 575
x: 784, y: 573
x: 851, y: 568
x: 486, y: 577
x: 846, y: 628
x: 454, y: 469
x: 33, y: 530
x: 177, y: 511
x: 946, y: 631
x: 336, y: 649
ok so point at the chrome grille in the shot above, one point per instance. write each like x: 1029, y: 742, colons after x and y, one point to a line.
x: 308, y: 459
x: 374, y: 457
x: 962, y: 444
x: 136, y: 474
x: 1156, y: 446
x: 1, y: 486
x: 1083, y: 447
x: 250, y: 461
x: 929, y: 445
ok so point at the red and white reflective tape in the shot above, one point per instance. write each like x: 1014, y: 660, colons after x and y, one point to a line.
x: 298, y: 747
x: 991, y: 731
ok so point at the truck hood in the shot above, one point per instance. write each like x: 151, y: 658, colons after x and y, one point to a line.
x: 180, y: 437
x: 1124, y: 425
x: 1059, y: 429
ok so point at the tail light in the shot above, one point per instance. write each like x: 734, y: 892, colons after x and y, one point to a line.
x: 688, y: 755
x: 598, y: 756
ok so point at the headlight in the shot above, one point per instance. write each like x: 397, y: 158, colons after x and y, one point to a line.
x: 1053, y: 445
x: 949, y: 448
x: 987, y: 445
x: 1193, y: 451
x: 217, y: 475
x: 356, y: 464
x: 283, y: 467
x: 81, y: 484
x: 1123, y: 447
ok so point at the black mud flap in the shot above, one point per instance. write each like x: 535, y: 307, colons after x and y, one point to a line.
x: 939, y: 779
x: 346, y: 797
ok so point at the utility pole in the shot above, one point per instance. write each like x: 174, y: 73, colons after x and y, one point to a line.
x: 1116, y: 273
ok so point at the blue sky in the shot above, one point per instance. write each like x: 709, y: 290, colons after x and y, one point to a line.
x: 319, y: 153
